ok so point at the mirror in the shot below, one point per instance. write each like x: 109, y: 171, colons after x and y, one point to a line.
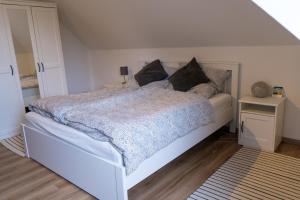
x: 18, y: 20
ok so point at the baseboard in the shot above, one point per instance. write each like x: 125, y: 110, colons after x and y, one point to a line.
x: 291, y: 141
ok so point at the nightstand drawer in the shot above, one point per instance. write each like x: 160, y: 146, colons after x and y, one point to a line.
x: 257, y: 131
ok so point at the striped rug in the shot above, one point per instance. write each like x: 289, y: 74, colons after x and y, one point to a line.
x: 253, y: 174
x: 15, y: 144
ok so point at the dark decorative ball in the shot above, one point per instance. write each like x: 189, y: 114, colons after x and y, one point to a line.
x: 260, y: 89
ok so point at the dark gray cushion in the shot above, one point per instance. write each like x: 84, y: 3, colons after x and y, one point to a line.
x: 188, y: 76
x: 153, y: 71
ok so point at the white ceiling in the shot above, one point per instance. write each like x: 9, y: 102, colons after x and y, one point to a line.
x: 117, y: 24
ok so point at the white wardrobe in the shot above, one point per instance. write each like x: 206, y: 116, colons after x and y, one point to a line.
x: 28, y: 31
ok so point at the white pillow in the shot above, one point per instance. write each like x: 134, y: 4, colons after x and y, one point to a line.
x: 205, y: 89
x: 132, y: 84
x: 157, y: 84
x: 218, y: 76
x: 170, y: 86
x: 170, y: 70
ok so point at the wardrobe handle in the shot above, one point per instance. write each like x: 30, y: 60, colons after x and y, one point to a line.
x: 12, y: 70
x: 43, y: 68
x: 39, y: 67
x: 242, y: 127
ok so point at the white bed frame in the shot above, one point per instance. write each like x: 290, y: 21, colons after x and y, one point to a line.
x: 107, y: 180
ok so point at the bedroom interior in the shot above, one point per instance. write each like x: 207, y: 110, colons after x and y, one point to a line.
x: 149, y: 99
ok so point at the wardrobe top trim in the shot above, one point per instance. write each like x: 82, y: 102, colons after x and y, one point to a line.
x: 28, y: 3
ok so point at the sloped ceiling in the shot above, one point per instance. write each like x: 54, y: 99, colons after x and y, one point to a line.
x: 286, y: 12
x: 117, y: 24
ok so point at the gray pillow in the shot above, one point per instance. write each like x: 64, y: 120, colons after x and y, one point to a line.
x: 205, y: 89
x: 132, y: 84
x: 170, y: 86
x: 218, y: 76
x: 170, y: 70
x: 157, y: 84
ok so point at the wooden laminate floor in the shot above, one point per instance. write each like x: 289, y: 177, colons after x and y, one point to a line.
x: 21, y: 178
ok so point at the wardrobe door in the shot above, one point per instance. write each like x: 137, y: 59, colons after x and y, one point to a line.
x: 11, y: 102
x: 25, y: 51
x: 49, y: 50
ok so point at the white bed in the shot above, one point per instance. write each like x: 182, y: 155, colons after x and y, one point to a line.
x: 67, y: 151
x: 220, y: 102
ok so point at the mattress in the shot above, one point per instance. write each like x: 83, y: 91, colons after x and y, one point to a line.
x: 105, y: 150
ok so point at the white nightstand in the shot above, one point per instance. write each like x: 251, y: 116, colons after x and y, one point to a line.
x: 261, y: 121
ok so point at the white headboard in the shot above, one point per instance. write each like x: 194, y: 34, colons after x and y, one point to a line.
x: 231, y: 86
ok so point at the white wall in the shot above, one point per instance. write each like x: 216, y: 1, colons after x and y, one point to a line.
x: 76, y: 62
x: 277, y: 65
